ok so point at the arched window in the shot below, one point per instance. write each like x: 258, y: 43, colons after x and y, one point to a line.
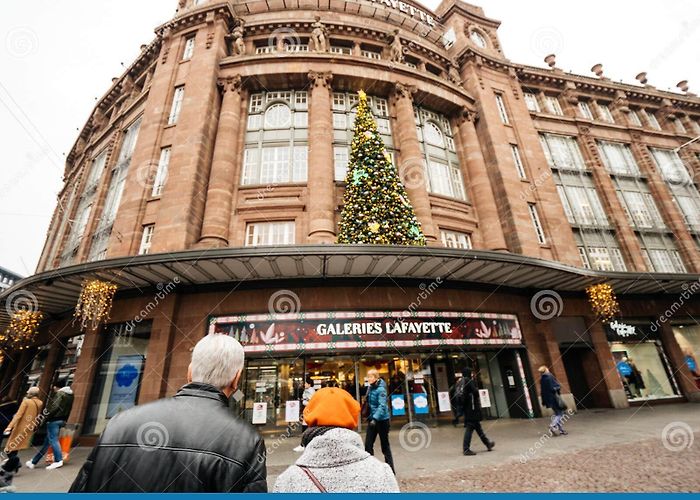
x: 278, y: 116
x: 433, y: 135
x: 478, y: 39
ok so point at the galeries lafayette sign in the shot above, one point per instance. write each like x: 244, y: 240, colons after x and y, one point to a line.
x: 315, y: 331
x: 409, y: 10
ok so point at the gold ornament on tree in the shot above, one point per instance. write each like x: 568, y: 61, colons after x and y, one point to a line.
x: 94, y: 303
x: 22, y: 330
x: 603, y: 301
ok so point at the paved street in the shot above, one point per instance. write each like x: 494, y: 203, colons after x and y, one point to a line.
x: 607, y: 450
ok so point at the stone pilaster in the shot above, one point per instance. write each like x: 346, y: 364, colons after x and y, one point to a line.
x: 321, y: 185
x: 616, y: 391
x: 222, y: 177
x: 412, y: 168
x: 85, y: 371
x: 474, y: 171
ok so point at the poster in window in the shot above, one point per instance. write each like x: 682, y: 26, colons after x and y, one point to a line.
x: 484, y: 398
x: 125, y: 385
x: 259, y: 413
x: 420, y: 403
x: 444, y: 402
x: 291, y: 413
x: 398, y: 405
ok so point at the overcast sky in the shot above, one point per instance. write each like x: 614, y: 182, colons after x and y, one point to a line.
x: 56, y: 57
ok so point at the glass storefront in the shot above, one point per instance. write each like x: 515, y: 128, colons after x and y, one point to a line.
x: 118, y: 378
x: 420, y: 357
x: 641, y: 361
x: 688, y: 338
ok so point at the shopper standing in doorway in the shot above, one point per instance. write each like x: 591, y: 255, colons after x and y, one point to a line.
x: 309, y: 391
x: 473, y: 415
x: 549, y: 387
x: 378, y: 420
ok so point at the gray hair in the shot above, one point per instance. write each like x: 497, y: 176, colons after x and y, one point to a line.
x: 216, y: 360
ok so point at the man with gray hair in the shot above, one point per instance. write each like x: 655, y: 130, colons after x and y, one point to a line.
x: 188, y: 443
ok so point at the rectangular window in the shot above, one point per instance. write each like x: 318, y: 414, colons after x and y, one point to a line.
x: 338, y: 101
x: 176, y: 107
x: 98, y: 166
x: 340, y: 121
x: 634, y: 118
x: 562, y: 152
x: 265, y: 49
x: 641, y: 209
x: 454, y: 239
x: 446, y: 180
x: 618, y: 158
x: 605, y: 113
x: 146, y: 239
x: 678, y: 125
x: 585, y: 110
x: 536, y: 223
x: 552, y: 105
x: 301, y: 99
x: 653, y: 122
x: 690, y: 208
x: 371, y: 54
x: 301, y: 119
x: 671, y: 165
x: 189, y: 48
x: 518, y: 161
x: 256, y: 103
x: 696, y: 126
x: 162, y: 172
x: 501, y: 105
x: 270, y: 233
x: 531, y: 102
x: 339, y: 49
x: 582, y: 205
x: 340, y: 160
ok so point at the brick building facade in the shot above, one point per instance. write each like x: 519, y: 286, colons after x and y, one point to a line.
x: 208, y: 181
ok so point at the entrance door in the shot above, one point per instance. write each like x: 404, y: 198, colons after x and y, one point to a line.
x: 513, y: 384
x: 585, y: 378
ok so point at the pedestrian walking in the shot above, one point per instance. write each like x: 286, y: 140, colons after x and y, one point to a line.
x: 551, y: 398
x: 378, y: 419
x: 334, y: 460
x: 21, y: 429
x: 305, y: 398
x: 473, y: 415
x: 57, y: 411
x: 457, y: 400
x: 190, y: 443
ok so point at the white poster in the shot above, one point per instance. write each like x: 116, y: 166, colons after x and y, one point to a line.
x: 259, y: 413
x: 292, y: 411
x: 484, y: 398
x: 444, y: 401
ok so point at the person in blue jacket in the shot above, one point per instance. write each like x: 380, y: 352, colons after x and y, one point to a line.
x: 378, y: 420
x: 551, y: 398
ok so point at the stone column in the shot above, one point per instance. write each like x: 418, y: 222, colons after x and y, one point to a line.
x: 473, y: 164
x: 50, y: 367
x: 24, y: 361
x: 320, y: 182
x: 685, y: 379
x: 412, y: 168
x: 88, y: 364
x: 217, y: 211
x: 616, y: 391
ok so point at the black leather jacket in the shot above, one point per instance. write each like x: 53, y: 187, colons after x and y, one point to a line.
x: 187, y: 443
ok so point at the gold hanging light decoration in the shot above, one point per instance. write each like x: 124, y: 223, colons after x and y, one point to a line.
x: 94, y: 303
x: 603, y: 301
x: 23, y: 329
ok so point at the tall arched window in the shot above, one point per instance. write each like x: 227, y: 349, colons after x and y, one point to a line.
x: 276, y: 138
x: 435, y: 133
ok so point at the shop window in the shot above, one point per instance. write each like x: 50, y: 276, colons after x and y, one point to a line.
x: 644, y: 371
x: 118, y: 378
x: 688, y: 338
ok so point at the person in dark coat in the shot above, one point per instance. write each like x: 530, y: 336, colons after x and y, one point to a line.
x: 551, y: 399
x: 189, y: 443
x: 472, y: 415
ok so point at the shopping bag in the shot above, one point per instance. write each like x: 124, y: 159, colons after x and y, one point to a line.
x: 65, y: 441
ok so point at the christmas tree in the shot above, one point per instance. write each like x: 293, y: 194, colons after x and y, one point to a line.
x: 376, y: 209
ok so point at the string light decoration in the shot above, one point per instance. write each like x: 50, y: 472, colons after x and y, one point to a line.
x: 376, y: 209
x: 603, y: 301
x: 23, y: 329
x: 94, y: 303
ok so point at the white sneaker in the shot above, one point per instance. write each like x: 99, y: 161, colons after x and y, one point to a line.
x: 29, y: 464
x: 55, y: 465
x: 299, y: 449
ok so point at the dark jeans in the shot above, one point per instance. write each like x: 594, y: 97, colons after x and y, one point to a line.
x: 381, y: 428
x: 52, y: 429
x: 469, y: 428
x: 12, y: 461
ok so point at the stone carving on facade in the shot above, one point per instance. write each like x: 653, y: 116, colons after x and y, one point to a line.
x: 236, y: 39
x: 667, y: 110
x: 467, y: 114
x: 320, y: 78
x: 453, y: 72
x: 403, y: 91
x: 621, y: 101
x: 319, y: 35
x: 570, y: 95
x: 230, y: 84
x: 396, y: 49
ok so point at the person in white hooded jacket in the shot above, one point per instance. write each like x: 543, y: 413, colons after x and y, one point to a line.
x: 334, y: 458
